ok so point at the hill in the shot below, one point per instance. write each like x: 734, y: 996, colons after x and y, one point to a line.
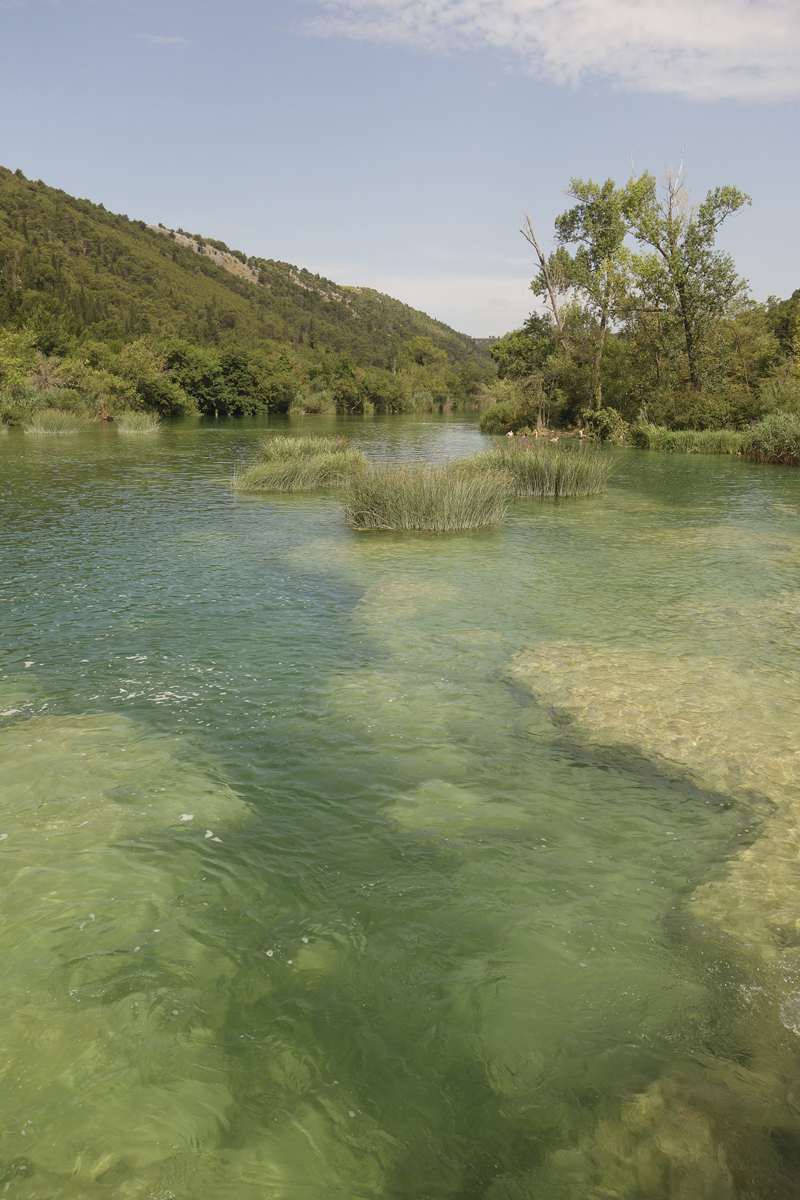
x: 112, y: 278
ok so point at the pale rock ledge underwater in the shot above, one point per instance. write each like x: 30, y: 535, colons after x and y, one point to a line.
x: 732, y: 729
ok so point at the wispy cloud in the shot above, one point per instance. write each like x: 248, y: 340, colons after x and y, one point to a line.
x: 699, y: 49
x: 156, y: 39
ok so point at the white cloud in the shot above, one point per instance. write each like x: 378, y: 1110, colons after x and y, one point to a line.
x: 699, y: 49
x: 157, y: 40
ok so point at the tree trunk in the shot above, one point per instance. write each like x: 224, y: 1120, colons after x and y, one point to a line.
x: 597, y: 387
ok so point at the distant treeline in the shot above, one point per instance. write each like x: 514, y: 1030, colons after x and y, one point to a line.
x: 173, y: 377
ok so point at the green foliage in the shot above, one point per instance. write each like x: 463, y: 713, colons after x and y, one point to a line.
x: 520, y: 411
x: 294, y: 464
x: 598, y: 273
x: 417, y: 497
x: 500, y: 418
x: 682, y: 272
x: 21, y: 403
x: 685, y: 441
x: 198, y: 372
x: 311, y: 401
x: 647, y: 316
x: 604, y: 425
x: 776, y: 439
x: 784, y: 320
x: 542, y: 470
x: 780, y: 395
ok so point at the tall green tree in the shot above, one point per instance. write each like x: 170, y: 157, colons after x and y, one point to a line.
x: 599, y: 269
x: 682, y: 263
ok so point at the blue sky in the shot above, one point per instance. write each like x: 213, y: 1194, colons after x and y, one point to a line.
x: 397, y: 143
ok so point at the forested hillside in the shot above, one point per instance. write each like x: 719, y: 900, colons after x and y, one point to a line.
x: 90, y: 301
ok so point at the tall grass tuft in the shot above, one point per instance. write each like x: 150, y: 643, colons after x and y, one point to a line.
x: 53, y: 422
x: 776, y: 439
x: 686, y: 441
x: 542, y: 470
x: 300, y: 445
x: 418, y: 497
x: 137, y: 422
x: 300, y: 464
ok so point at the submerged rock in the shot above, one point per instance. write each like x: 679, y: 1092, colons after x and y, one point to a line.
x: 731, y: 729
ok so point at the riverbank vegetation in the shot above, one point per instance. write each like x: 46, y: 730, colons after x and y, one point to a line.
x: 776, y: 439
x: 686, y: 441
x: 643, y: 321
x: 300, y: 464
x: 122, y: 317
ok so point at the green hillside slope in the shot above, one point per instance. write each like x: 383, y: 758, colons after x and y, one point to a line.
x: 109, y: 277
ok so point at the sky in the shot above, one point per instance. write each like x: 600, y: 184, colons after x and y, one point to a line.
x: 397, y: 144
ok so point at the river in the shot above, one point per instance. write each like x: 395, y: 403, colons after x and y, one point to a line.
x: 345, y: 864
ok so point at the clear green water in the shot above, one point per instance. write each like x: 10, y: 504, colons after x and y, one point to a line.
x: 428, y: 933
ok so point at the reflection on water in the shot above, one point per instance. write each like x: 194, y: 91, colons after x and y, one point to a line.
x: 342, y: 864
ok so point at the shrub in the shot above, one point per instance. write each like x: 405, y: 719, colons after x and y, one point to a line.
x: 500, y: 418
x: 542, y: 470
x: 780, y: 397
x: 604, y: 425
x: 313, y: 401
x: 776, y: 439
x: 685, y: 441
x: 137, y: 422
x: 22, y: 401
x: 419, y: 497
x: 52, y: 422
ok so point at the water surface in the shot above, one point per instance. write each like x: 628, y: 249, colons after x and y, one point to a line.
x: 335, y: 864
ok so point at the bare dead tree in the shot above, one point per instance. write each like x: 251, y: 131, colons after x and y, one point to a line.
x: 527, y: 232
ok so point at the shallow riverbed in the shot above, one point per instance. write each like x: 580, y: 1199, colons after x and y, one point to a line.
x: 343, y: 864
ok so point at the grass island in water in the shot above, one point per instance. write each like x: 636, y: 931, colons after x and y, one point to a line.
x: 297, y: 463
x: 453, y: 496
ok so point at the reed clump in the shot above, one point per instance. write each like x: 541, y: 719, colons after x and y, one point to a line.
x: 542, y: 470
x: 54, y: 422
x: 418, y: 497
x: 287, y: 463
x: 686, y: 441
x: 137, y: 422
x: 775, y: 439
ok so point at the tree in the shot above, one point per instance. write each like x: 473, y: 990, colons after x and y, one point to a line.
x: 598, y: 272
x: 700, y: 282
x: 532, y: 357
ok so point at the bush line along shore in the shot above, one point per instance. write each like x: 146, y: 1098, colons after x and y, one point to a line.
x: 774, y: 439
